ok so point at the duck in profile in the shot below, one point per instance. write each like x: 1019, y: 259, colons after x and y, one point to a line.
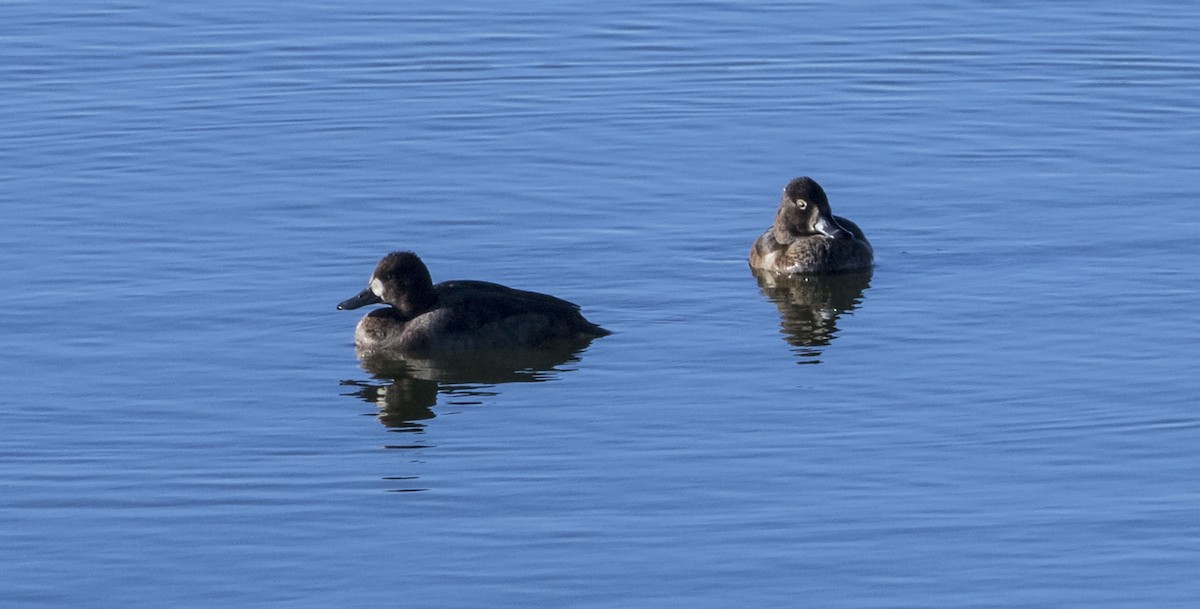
x: 456, y: 318
x: 808, y: 239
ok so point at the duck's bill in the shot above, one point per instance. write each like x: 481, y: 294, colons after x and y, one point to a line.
x: 830, y: 228
x: 364, y: 298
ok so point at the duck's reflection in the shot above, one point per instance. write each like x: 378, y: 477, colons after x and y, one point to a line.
x: 405, y: 389
x: 809, y: 306
x: 401, y: 401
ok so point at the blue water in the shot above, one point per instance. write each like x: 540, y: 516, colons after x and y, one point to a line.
x: 1002, y: 415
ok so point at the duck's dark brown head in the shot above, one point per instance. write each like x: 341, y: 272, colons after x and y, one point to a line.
x: 804, y: 211
x: 400, y: 280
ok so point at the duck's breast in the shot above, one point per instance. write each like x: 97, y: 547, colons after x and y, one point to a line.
x: 380, y: 329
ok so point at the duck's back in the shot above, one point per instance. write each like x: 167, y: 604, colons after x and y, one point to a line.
x: 480, y: 315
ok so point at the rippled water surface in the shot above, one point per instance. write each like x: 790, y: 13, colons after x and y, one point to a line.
x: 1003, y: 414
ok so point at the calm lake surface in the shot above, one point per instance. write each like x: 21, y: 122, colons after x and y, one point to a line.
x: 1004, y: 414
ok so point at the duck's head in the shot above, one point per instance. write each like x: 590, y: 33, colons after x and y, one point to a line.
x: 804, y: 211
x: 401, y: 280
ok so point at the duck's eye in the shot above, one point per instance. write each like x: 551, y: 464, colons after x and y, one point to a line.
x: 801, y: 204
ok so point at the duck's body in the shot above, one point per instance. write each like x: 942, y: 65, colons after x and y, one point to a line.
x: 807, y: 238
x: 459, y: 317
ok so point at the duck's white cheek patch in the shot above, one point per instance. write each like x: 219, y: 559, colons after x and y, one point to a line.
x: 377, y: 287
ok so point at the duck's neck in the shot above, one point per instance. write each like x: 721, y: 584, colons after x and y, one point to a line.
x: 417, y: 301
x: 788, y: 224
